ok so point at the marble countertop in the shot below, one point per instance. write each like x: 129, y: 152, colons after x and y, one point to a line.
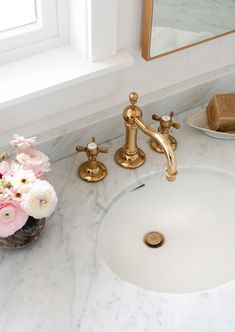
x: 61, y: 283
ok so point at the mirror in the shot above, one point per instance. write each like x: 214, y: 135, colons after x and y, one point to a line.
x: 172, y: 25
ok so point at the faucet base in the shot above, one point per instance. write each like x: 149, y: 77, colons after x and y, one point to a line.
x: 129, y: 161
x: 89, y: 174
x: 158, y: 147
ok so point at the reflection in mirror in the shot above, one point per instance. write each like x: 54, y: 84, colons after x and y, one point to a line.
x: 170, y: 25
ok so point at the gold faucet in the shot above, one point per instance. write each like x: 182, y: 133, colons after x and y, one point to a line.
x: 130, y: 156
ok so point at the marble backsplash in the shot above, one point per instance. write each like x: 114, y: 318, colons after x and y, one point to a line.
x: 108, y: 124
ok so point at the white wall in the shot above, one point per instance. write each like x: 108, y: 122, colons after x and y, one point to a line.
x: 143, y: 77
x: 168, y: 70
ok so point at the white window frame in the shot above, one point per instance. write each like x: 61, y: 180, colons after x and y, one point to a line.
x: 93, y: 28
x: 62, y: 22
x: 51, y: 30
x: 41, y: 86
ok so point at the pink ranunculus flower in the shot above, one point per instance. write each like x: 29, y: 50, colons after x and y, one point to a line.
x: 22, y: 144
x: 23, y: 158
x: 35, y: 161
x: 12, y: 217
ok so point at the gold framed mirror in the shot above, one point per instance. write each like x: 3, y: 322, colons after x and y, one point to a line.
x: 173, y: 25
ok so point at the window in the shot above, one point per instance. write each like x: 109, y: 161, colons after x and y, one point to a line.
x: 9, y: 14
x: 27, y: 22
x: 53, y: 82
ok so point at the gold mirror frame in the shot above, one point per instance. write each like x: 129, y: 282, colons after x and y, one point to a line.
x: 147, y: 32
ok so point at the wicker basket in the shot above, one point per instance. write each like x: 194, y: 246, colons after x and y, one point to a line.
x: 28, y: 233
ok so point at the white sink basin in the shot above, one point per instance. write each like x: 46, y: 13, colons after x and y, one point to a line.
x: 195, y: 214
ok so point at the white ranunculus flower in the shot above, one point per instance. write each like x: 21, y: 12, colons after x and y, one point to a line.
x: 22, y: 180
x: 40, y: 201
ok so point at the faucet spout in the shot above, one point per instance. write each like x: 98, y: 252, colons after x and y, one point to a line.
x: 171, y: 171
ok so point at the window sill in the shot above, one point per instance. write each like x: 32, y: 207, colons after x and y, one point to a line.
x: 51, y: 71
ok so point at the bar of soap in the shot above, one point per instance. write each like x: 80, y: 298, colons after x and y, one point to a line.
x: 221, y: 112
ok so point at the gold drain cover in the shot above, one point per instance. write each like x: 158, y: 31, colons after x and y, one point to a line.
x: 154, y: 239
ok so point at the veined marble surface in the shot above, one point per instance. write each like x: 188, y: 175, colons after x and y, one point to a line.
x: 61, y: 283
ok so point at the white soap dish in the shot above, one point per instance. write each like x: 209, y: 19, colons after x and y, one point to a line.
x: 199, y: 121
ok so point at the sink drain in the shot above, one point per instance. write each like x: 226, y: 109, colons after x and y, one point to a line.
x: 154, y: 239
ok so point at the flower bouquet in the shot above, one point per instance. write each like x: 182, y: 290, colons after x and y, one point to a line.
x: 26, y: 198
